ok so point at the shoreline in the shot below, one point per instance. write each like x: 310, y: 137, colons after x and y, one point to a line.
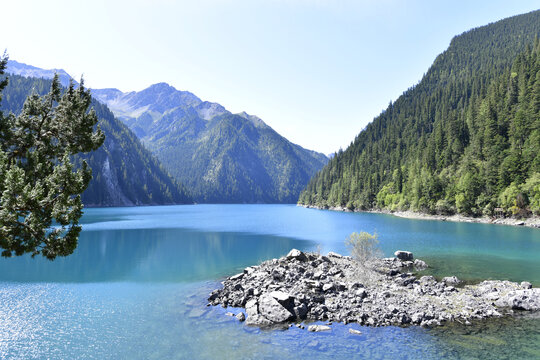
x: 532, y: 222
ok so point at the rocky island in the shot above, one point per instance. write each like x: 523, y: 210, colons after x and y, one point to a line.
x: 311, y: 287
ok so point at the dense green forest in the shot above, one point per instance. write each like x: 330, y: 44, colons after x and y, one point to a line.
x: 124, y: 171
x: 466, y: 139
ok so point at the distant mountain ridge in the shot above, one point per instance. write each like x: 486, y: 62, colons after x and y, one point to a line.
x: 17, y: 68
x: 219, y: 156
x: 124, y: 172
x: 139, y: 110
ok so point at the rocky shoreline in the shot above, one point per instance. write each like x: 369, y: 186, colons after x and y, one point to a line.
x: 533, y: 221
x: 304, y: 287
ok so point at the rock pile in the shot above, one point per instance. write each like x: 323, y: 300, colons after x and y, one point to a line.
x: 307, y: 286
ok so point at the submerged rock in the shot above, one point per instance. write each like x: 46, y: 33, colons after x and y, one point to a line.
x: 308, y: 286
x: 319, y: 328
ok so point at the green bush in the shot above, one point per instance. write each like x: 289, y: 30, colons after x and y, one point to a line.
x: 532, y: 190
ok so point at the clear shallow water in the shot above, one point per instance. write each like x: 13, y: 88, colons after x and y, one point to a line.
x: 136, y: 286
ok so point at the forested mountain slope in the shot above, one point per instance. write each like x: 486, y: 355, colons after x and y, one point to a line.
x: 219, y: 156
x: 124, y: 172
x: 466, y: 139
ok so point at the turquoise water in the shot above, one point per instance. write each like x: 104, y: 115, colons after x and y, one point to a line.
x: 135, y: 288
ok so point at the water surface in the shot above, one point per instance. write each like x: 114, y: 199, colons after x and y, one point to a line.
x: 135, y: 287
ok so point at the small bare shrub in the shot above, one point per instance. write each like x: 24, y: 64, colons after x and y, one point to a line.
x: 364, y: 249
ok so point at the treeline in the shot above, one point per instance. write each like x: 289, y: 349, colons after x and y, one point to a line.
x: 124, y: 171
x: 466, y: 139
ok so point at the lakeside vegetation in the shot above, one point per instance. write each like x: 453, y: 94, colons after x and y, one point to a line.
x: 465, y: 140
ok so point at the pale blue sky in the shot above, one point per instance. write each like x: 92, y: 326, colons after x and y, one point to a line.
x: 317, y: 71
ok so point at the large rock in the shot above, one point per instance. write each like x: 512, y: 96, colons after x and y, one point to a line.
x: 451, y: 281
x: 420, y: 264
x: 241, y: 317
x: 318, y: 328
x: 273, y: 310
x: 253, y: 316
x: 335, y: 255
x: 404, y: 255
x: 252, y: 308
x: 236, y: 277
x: 297, y: 254
x: 428, y: 280
x: 328, y: 287
x: 258, y: 320
x: 527, y: 299
x: 282, y: 297
x: 301, y: 311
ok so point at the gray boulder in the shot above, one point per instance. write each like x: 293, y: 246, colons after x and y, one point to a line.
x: 282, y: 297
x: 253, y: 316
x: 420, y: 264
x: 336, y: 255
x: 252, y: 308
x: 527, y: 299
x: 297, y: 254
x: 451, y: 281
x: 258, y: 320
x: 328, y: 287
x: 236, y: 277
x: 428, y: 280
x: 404, y: 255
x: 273, y: 310
x: 319, y: 328
x: 301, y: 311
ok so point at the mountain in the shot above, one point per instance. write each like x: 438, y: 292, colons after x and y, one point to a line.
x: 25, y: 70
x: 125, y: 173
x: 219, y: 156
x: 465, y: 139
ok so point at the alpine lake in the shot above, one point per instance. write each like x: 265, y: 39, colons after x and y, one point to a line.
x: 136, y: 287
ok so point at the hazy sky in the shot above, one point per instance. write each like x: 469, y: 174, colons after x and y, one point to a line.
x: 317, y: 71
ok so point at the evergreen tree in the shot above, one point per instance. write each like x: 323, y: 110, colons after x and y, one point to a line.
x: 40, y: 204
x: 466, y: 134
